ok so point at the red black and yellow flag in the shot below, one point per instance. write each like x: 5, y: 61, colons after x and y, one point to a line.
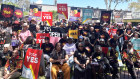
x: 35, y: 10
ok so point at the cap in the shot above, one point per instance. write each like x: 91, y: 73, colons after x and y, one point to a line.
x: 81, y: 37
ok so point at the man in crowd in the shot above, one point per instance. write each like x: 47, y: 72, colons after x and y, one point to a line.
x: 13, y: 65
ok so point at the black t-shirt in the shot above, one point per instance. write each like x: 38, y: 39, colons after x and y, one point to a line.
x: 32, y: 27
x: 47, y: 48
x: 81, y: 56
x: 98, y: 56
x: 63, y: 41
x: 120, y: 31
x: 3, y: 57
x: 60, y: 55
x: 105, y: 36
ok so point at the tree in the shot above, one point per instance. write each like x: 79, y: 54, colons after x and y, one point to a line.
x: 135, y: 6
x: 55, y: 15
x: 18, y: 3
x: 116, y: 2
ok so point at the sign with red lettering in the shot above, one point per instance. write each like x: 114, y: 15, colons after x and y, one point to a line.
x: 40, y: 37
x: 18, y: 13
x: 105, y: 17
x: 32, y: 63
x: 7, y: 11
x: 47, y: 16
x: 62, y: 9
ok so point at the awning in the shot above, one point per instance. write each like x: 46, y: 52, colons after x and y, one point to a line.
x: 131, y: 20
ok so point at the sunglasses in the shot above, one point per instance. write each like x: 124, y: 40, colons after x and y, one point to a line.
x: 80, y: 46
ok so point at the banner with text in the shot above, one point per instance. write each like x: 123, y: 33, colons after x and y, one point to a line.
x: 47, y: 16
x: 40, y: 38
x: 87, y: 16
x: 32, y: 63
x: 7, y: 12
x: 62, y: 10
x: 105, y: 17
x: 18, y: 13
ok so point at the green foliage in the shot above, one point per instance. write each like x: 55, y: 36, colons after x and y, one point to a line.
x: 11, y: 3
x: 55, y: 15
x: 135, y: 6
x: 25, y: 13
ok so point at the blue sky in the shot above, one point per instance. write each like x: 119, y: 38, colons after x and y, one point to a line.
x: 85, y: 3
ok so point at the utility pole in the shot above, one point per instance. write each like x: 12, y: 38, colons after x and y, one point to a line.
x: 55, y: 2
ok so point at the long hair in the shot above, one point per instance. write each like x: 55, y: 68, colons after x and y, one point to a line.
x: 29, y: 40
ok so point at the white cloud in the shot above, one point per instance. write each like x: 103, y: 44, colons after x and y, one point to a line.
x: 39, y: 2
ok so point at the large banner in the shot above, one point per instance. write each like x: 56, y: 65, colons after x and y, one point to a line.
x: 75, y: 12
x: 73, y: 34
x: 47, y: 16
x: 18, y: 13
x: 105, y: 17
x: 62, y: 10
x: 7, y: 12
x: 55, y: 35
x: 35, y: 10
x: 136, y: 43
x: 32, y: 63
x: 87, y: 16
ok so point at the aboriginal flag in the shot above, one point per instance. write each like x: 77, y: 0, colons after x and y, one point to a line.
x: 18, y: 13
x: 35, y: 10
x: 7, y: 12
x: 75, y: 12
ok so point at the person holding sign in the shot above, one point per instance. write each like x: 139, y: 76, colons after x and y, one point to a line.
x: 59, y: 58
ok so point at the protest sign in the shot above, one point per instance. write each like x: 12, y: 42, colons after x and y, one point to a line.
x: 55, y: 35
x: 18, y: 13
x: 73, y: 34
x: 47, y: 16
x: 62, y: 10
x: 40, y: 37
x: 105, y: 17
x: 32, y: 63
x: 7, y: 12
x: 87, y: 16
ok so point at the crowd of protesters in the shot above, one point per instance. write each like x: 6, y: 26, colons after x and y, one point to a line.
x: 80, y: 58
